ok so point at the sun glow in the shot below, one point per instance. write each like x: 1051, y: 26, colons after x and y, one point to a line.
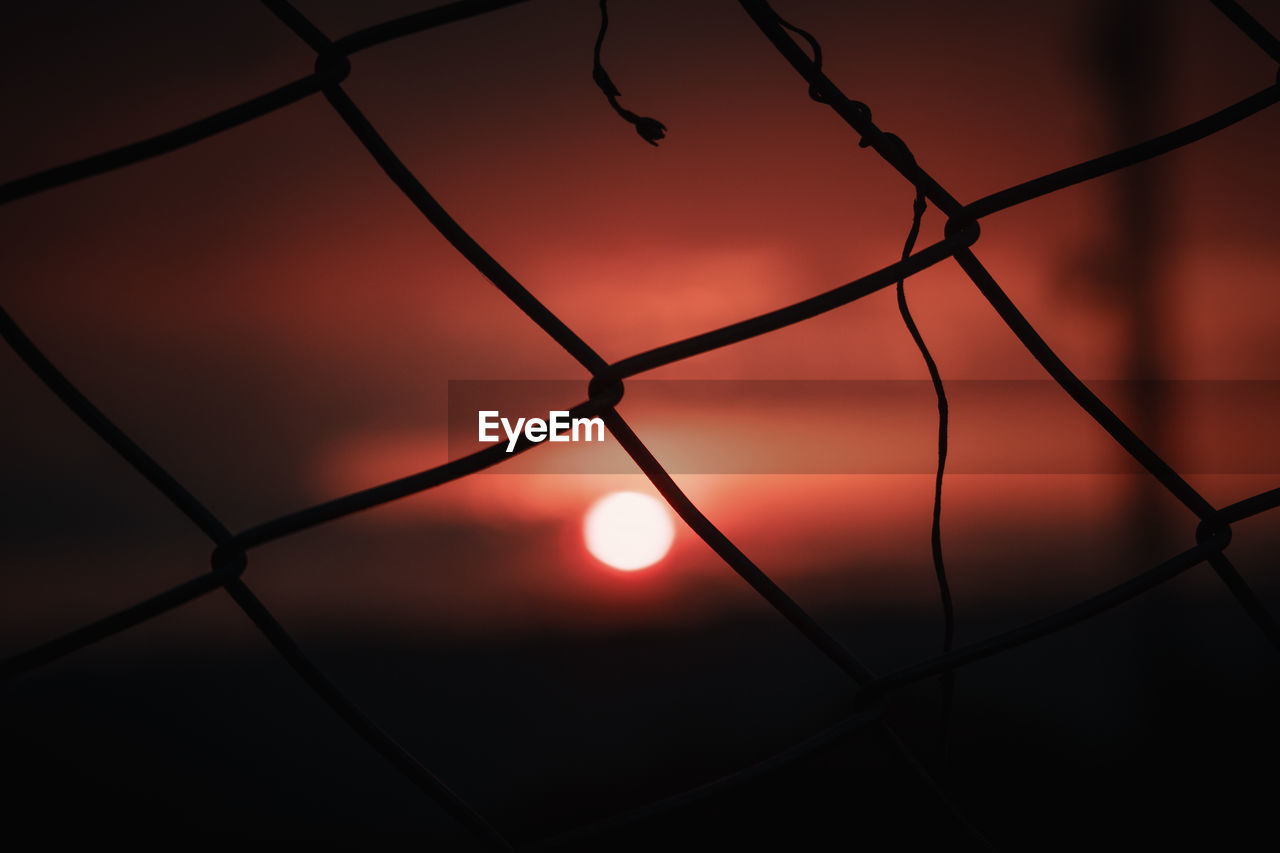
x: 628, y: 530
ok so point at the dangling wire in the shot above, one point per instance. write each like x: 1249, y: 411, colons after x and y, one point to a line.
x: 935, y: 536
x: 944, y: 589
x: 650, y: 129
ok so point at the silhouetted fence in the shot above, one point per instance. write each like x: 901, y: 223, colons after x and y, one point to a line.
x: 229, y: 557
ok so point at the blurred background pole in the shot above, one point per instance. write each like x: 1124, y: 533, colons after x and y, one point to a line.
x: 1130, y: 45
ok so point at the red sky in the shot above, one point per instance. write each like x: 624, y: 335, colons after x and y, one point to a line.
x: 272, y: 320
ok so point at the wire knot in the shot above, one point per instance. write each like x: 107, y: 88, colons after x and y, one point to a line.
x: 332, y: 66
x: 605, y: 388
x: 228, y: 561
x: 1213, y: 532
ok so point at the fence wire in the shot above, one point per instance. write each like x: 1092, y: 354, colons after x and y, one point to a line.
x: 229, y: 558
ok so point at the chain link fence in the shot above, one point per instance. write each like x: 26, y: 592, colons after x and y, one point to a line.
x: 230, y: 551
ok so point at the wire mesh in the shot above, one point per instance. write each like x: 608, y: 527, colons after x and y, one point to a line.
x: 229, y: 558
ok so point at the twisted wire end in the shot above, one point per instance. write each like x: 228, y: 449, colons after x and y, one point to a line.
x: 650, y: 129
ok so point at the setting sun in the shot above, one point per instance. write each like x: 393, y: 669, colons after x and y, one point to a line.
x: 628, y: 530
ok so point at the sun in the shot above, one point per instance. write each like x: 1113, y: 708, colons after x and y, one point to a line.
x: 628, y: 530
